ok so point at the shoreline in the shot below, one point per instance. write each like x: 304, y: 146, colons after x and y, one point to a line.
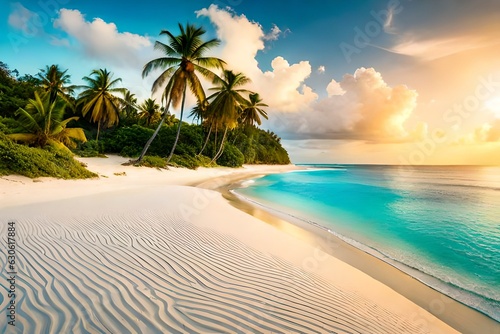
x: 94, y: 221
x: 444, y: 307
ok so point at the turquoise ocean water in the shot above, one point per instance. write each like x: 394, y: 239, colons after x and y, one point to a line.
x: 439, y: 224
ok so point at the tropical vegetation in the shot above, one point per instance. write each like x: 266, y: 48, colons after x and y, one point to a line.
x: 226, y: 104
x: 41, y: 123
x: 55, y: 82
x: 37, y: 162
x: 98, y: 99
x: 46, y: 113
x: 184, y: 58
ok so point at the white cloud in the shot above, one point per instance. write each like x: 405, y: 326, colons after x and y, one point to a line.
x: 486, y: 133
x: 25, y: 20
x: 283, y: 87
x: 101, y: 40
x: 334, y: 88
x: 59, y: 41
x: 241, y: 39
x: 321, y: 69
x: 361, y: 106
x: 388, y: 24
x: 466, y: 28
x: 273, y: 34
x: 431, y: 49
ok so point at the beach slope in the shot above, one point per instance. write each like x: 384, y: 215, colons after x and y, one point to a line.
x: 142, y: 252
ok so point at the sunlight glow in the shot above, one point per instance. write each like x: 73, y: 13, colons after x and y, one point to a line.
x: 494, y: 106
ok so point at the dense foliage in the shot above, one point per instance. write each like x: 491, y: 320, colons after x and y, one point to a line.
x: 35, y: 111
x: 260, y: 147
x: 14, y: 93
x: 255, y: 146
x: 35, y: 162
x: 41, y: 123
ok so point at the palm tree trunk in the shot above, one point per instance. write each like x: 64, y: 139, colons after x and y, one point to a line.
x: 238, y: 132
x: 221, y: 148
x: 146, y: 147
x: 215, y: 139
x: 206, y: 140
x: 49, y: 119
x: 180, y: 122
x: 98, y: 130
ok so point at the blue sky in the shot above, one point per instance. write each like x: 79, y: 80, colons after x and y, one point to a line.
x: 308, y: 33
x: 346, y: 81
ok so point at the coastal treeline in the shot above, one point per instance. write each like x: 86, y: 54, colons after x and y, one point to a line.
x: 45, y: 112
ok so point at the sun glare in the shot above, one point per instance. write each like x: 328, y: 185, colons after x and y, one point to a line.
x: 494, y: 106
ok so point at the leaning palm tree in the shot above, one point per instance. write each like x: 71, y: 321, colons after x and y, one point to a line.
x: 149, y: 111
x: 55, y: 82
x: 184, y: 58
x: 98, y: 99
x: 41, y: 123
x: 226, y: 103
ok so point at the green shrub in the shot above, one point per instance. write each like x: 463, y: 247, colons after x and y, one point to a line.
x: 128, y: 139
x: 153, y: 161
x: 231, y: 157
x: 191, y: 162
x: 262, y: 147
x: 6, y: 124
x: 89, y: 149
x: 35, y: 162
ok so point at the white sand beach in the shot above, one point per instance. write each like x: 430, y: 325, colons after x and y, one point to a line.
x: 140, y: 250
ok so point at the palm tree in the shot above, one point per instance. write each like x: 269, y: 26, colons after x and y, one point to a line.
x: 227, y: 103
x: 130, y: 104
x: 251, y: 114
x: 99, y: 99
x: 184, y: 57
x: 41, y: 123
x: 54, y: 81
x: 149, y: 110
x: 251, y: 110
x: 200, y: 112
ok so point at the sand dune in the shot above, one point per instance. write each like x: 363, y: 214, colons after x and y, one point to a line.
x: 178, y: 259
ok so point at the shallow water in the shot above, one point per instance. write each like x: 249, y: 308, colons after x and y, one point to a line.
x: 443, y: 221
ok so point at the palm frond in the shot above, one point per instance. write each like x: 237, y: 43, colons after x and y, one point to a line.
x: 22, y: 137
x: 164, y: 48
x: 205, y: 72
x: 26, y: 120
x: 158, y: 83
x: 160, y: 63
x: 203, y: 47
x: 99, y: 99
x: 175, y: 46
x: 76, y: 133
x: 195, y: 86
x: 177, y: 90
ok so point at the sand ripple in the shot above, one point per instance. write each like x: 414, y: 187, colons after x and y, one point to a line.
x: 148, y: 270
